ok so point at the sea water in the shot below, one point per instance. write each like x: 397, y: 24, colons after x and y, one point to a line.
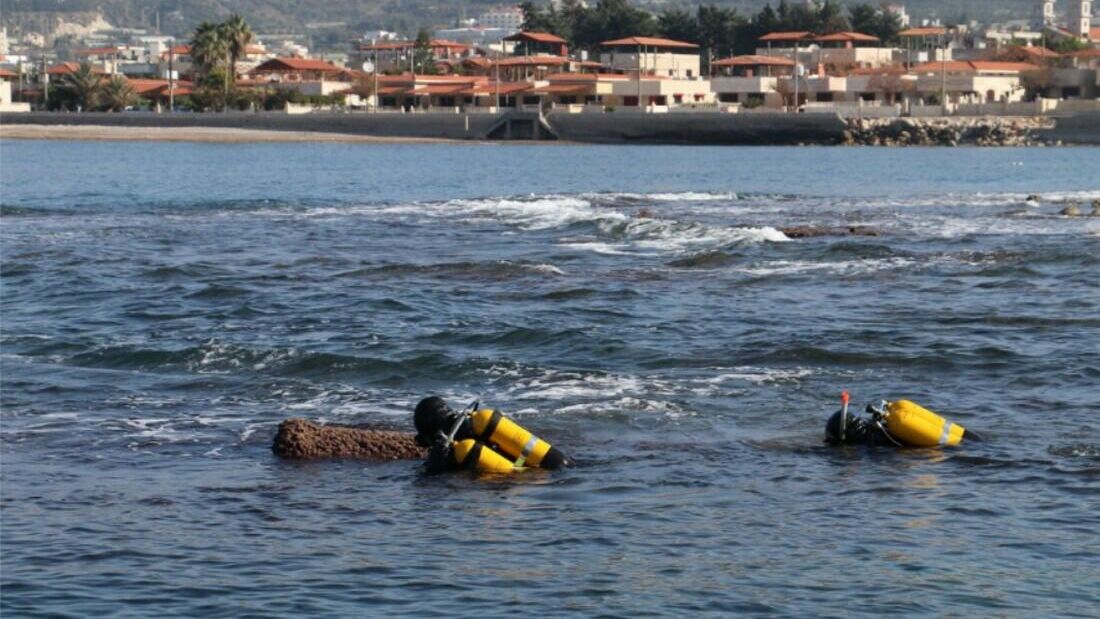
x: 165, y: 306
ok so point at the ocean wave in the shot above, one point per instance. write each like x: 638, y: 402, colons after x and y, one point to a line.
x: 491, y: 269
x: 846, y: 267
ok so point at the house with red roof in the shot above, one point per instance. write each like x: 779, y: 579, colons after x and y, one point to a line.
x: 395, y: 56
x: 308, y: 76
x: 7, y: 76
x: 538, y: 44
x: 836, y: 53
x: 651, y: 56
x: 751, y: 80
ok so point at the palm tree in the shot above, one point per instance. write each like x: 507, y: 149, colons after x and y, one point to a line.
x: 83, y: 85
x: 118, y: 94
x: 208, y: 47
x: 238, y: 36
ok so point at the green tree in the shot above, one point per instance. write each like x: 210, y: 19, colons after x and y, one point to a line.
x: 117, y: 94
x: 83, y: 86
x: 718, y: 29
x: 238, y: 36
x: 880, y: 22
x: 678, y: 25
x: 612, y: 19
x: 423, y: 58
x: 209, y: 49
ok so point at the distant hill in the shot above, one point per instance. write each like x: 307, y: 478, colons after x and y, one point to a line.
x: 333, y: 19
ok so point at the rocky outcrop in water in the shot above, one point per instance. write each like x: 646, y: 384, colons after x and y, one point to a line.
x: 955, y: 131
x: 806, y: 232
x: 301, y: 439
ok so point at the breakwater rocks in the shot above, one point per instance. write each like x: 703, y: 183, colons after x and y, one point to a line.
x: 808, y: 232
x: 301, y: 439
x: 973, y: 131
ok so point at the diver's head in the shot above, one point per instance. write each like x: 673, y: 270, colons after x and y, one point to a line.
x: 432, y: 416
x: 852, y: 430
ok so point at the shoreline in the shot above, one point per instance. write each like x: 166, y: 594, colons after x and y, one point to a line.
x: 210, y: 135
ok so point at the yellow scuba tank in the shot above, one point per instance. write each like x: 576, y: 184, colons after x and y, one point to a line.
x: 916, y: 426
x: 481, y: 458
x: 490, y: 426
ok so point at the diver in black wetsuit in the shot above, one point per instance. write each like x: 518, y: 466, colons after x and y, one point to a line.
x: 855, y: 431
x: 439, y: 428
x: 844, y: 428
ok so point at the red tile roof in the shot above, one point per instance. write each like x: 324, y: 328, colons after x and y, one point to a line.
x: 287, y: 65
x: 69, y: 67
x: 785, y: 36
x: 179, y: 50
x: 752, y: 61
x: 563, y: 89
x: 434, y: 44
x: 649, y: 42
x: 847, y: 37
x: 1037, y: 52
x: 973, y: 66
x: 928, y: 31
x: 8, y: 74
x: 530, y: 61
x: 538, y: 37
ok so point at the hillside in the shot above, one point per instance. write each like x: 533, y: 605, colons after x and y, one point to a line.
x: 343, y: 17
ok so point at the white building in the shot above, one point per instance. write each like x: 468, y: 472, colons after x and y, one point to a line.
x: 902, y: 14
x: 509, y: 18
x: 1080, y: 18
x: 1043, y: 15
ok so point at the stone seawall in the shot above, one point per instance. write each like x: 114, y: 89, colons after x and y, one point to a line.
x: 1082, y: 128
x: 698, y: 128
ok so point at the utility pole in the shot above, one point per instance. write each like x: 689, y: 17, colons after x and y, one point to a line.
x: 228, y: 70
x: 943, y: 75
x: 496, y: 79
x: 796, y: 67
x: 171, y: 74
x: 45, y: 84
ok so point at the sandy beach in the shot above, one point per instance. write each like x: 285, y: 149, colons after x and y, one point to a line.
x: 193, y: 134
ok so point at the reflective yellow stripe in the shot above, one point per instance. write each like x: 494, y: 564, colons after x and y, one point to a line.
x: 527, y: 449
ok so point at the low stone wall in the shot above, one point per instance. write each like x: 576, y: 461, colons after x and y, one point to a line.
x: 1081, y: 128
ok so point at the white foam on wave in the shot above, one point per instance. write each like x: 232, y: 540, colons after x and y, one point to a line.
x: 547, y: 269
x: 758, y: 376
x: 555, y: 385
x: 679, y: 196
x: 845, y: 267
x: 539, y: 213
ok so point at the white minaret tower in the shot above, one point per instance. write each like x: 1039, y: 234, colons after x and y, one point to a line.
x: 1080, y: 18
x: 1044, y: 14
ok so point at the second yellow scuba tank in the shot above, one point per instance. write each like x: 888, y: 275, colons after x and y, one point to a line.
x: 477, y: 456
x: 513, y: 440
x: 916, y: 426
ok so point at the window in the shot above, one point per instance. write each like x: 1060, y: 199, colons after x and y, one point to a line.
x: 824, y: 97
x: 677, y: 98
x: 867, y: 96
x: 728, y: 97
